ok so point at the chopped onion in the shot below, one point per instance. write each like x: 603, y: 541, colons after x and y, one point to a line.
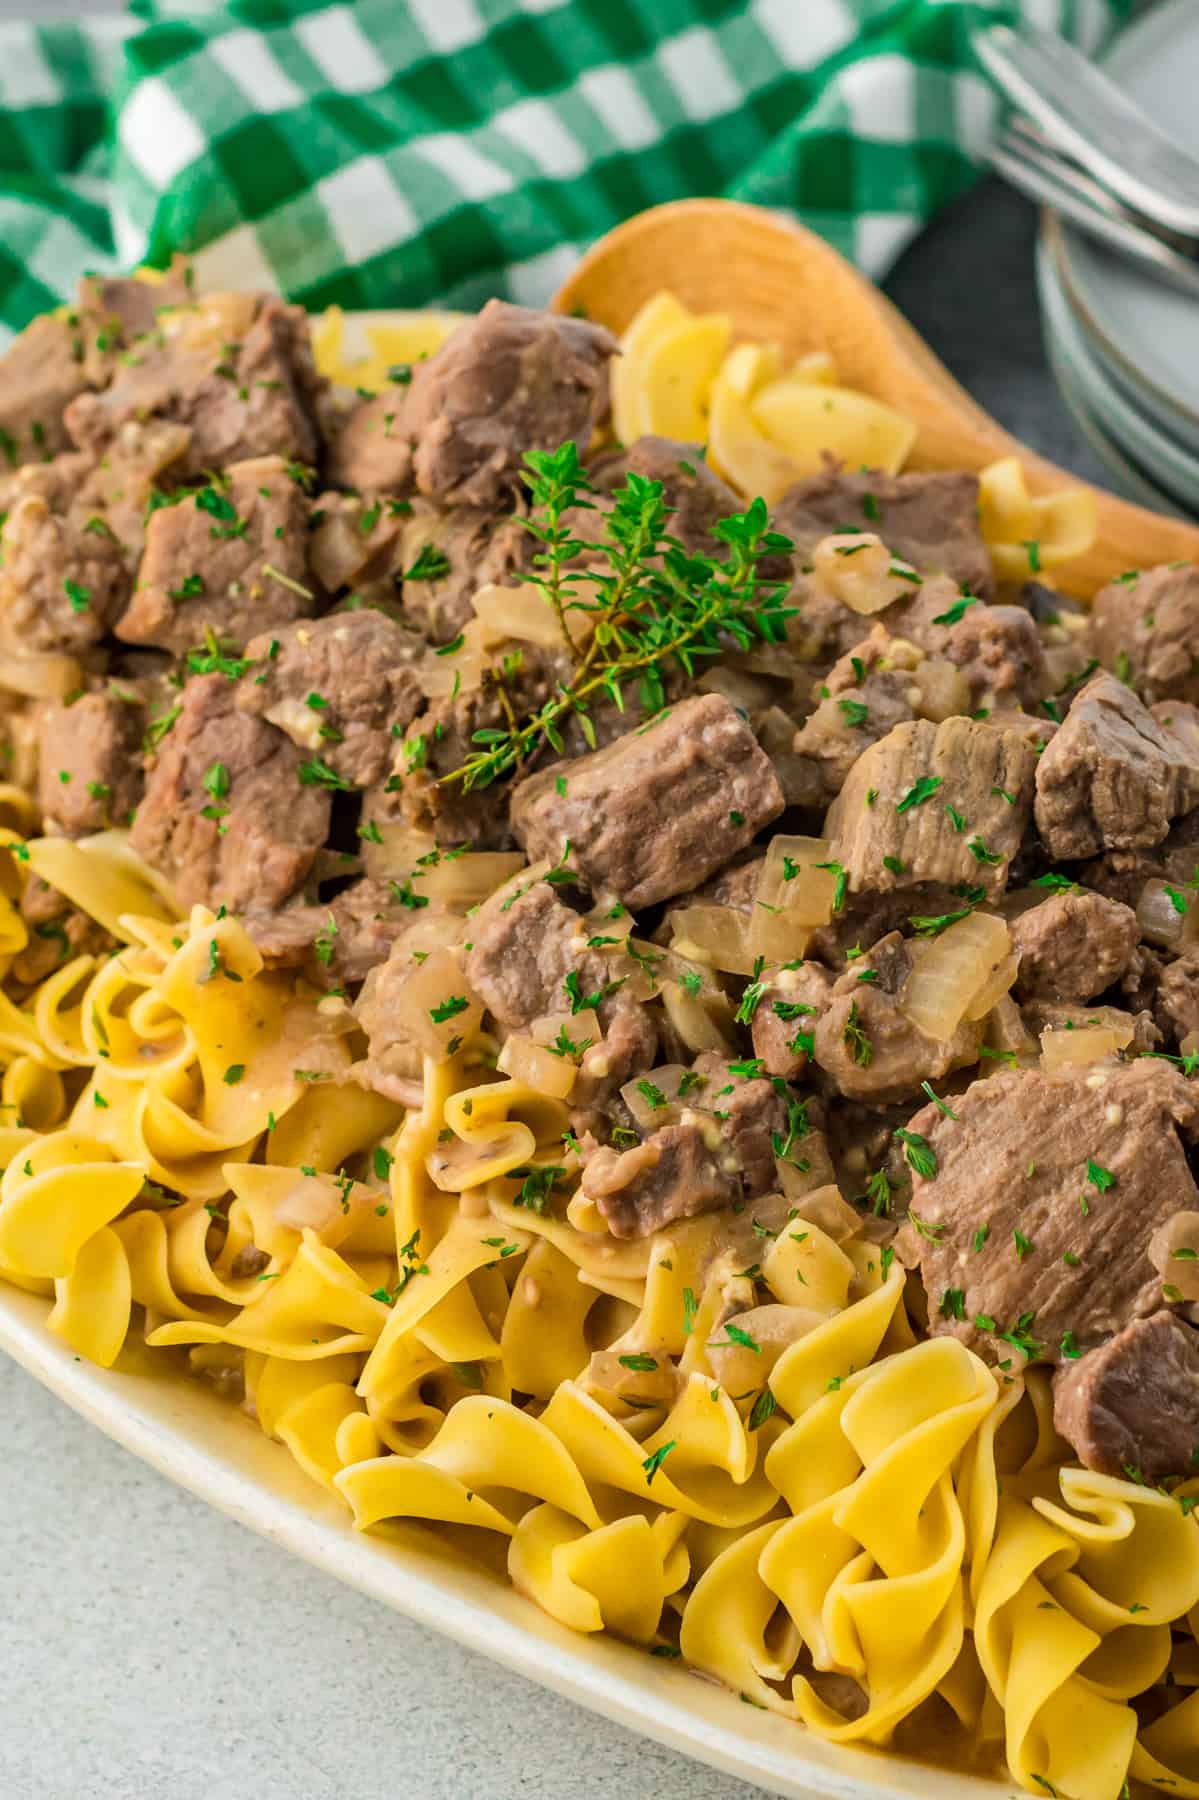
x: 716, y: 935
x: 1087, y: 1044
x: 522, y: 613
x: 581, y: 1028
x: 338, y: 550
x: 1174, y: 1253
x: 435, y: 986
x: 538, y: 1068
x: 38, y: 677
x: 464, y: 881
x: 950, y: 971
x: 994, y: 988
x: 211, y: 323
x: 458, y: 672
x: 826, y: 1208
x: 793, y: 883
x: 1161, y: 920
x: 397, y: 852
x: 944, y: 691
x: 653, y: 1099
x: 858, y: 569
x: 696, y: 1018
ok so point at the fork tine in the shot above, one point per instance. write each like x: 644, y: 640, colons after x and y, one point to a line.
x: 1085, y: 114
x: 1045, y: 180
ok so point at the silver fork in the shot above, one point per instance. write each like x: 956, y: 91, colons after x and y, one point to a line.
x: 1084, y: 114
x: 1025, y: 159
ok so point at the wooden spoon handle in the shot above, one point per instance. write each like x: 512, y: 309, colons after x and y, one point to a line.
x: 781, y: 283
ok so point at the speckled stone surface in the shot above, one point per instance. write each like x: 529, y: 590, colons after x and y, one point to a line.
x: 152, y: 1650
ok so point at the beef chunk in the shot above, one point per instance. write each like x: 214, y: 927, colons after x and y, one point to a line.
x: 62, y: 582
x: 40, y: 374
x: 226, y: 817
x: 1084, y: 1167
x: 1112, y: 777
x: 929, y: 520
x: 719, y: 1150
x: 441, y: 739
x: 870, y: 691
x: 478, y: 547
x: 865, y: 1042
x: 233, y: 560
x: 361, y: 925
x: 241, y: 400
x: 337, y: 686
x: 1132, y: 1404
x: 1073, y: 945
x: 1148, y: 628
x: 696, y: 495
x: 999, y: 651
x: 675, y: 1174
x: 867, y: 917
x: 508, y: 381
x: 116, y: 491
x: 1177, y: 1000
x: 525, y: 945
x: 658, y: 810
x: 947, y: 803
x: 89, y: 761
x: 751, y: 1115
x: 59, y: 931
x: 785, y: 1016
x: 393, y: 1062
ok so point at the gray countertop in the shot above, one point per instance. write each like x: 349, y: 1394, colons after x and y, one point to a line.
x: 151, y: 1648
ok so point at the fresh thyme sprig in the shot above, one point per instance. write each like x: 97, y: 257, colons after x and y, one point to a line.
x: 640, y: 601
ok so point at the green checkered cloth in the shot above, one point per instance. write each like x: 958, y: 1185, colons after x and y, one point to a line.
x: 383, y: 153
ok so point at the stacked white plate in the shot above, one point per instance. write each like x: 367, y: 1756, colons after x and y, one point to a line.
x: 1123, y: 345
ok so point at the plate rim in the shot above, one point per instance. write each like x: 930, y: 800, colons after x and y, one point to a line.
x: 1162, y: 19
x: 661, y: 1700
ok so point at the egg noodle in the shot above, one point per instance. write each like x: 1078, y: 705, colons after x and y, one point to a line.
x: 867, y: 1532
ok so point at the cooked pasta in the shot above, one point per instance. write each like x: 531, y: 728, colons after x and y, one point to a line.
x: 312, y: 1150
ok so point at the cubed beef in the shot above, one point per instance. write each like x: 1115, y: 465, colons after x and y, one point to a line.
x: 226, y: 817
x: 870, y: 691
x: 867, y: 917
x: 241, y: 400
x: 370, y: 453
x: 393, y: 1062
x: 1139, y: 982
x: 525, y: 946
x: 695, y: 494
x: 946, y: 803
x: 929, y: 520
x: 999, y: 651
x: 58, y: 932
x: 63, y: 580
x: 116, y: 491
x: 40, y: 374
x: 232, y: 560
x: 1073, y: 945
x: 337, y: 686
x: 678, y: 1172
x: 719, y: 1151
x: 865, y: 1042
x: 1112, y: 777
x: 1036, y: 1201
x: 784, y: 1018
x: 751, y: 1113
x: 441, y: 740
x: 446, y: 557
x: 659, y: 809
x: 89, y: 761
x: 1131, y: 1406
x: 359, y: 927
x: 1176, y: 1006
x: 508, y: 381
x: 1148, y: 629
x: 116, y: 319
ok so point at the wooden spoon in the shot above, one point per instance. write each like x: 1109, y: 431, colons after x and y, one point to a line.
x: 780, y: 283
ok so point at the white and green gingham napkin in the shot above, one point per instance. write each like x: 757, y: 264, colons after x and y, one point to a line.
x: 399, y: 152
